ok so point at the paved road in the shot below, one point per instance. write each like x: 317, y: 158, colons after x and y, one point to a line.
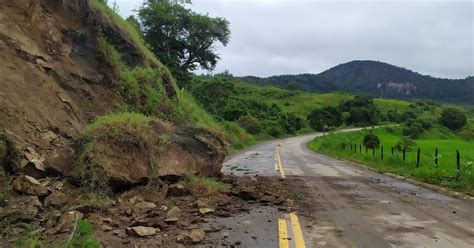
x: 355, y: 207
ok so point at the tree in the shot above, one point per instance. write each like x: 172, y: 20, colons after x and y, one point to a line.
x: 213, y: 94
x: 371, y: 140
x: 328, y: 116
x: 250, y: 123
x: 181, y: 38
x: 361, y: 111
x: 291, y: 123
x: 453, y: 118
x: 292, y: 86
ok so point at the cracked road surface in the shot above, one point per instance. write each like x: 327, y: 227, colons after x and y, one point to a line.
x: 351, y: 206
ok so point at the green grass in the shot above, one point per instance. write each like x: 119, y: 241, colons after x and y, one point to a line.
x: 127, y: 28
x: 210, y: 184
x: 302, y: 103
x: 125, y: 127
x: 199, y: 118
x: 445, y: 174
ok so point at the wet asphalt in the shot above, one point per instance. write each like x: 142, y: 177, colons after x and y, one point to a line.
x: 350, y: 206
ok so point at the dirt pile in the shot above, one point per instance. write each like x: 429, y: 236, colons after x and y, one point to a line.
x: 157, y: 214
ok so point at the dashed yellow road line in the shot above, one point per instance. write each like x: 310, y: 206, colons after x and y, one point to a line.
x: 297, y: 232
x: 280, y: 166
x: 282, y: 234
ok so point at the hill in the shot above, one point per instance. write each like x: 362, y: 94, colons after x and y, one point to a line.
x: 377, y: 79
x: 269, y: 112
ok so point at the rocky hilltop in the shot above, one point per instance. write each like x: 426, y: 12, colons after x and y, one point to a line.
x: 377, y: 79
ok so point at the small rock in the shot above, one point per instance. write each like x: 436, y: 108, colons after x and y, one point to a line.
x: 197, y: 235
x: 24, y: 206
x: 177, y: 190
x: 29, y: 185
x: 203, y: 206
x: 120, y: 233
x: 144, y: 205
x: 56, y: 199
x: 173, y: 214
x: 105, y: 228
x: 142, y: 231
x: 67, y: 221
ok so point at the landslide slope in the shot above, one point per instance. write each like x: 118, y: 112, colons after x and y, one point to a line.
x: 66, y: 63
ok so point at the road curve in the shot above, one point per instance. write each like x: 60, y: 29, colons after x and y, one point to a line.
x: 355, y: 207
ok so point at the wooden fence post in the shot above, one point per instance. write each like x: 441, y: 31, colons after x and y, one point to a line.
x: 404, y: 152
x: 418, y: 158
x: 392, y: 150
x: 351, y: 147
x: 360, y: 149
x: 436, y: 156
x: 381, y: 153
x: 458, y: 160
x: 373, y: 152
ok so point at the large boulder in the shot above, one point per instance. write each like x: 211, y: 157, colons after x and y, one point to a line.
x: 134, y: 149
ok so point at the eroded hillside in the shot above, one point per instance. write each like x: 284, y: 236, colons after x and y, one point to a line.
x: 64, y: 64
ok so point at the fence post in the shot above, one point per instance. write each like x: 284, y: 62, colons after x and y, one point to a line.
x: 360, y: 149
x: 351, y: 147
x: 404, y: 152
x: 436, y: 156
x: 458, y: 160
x: 418, y: 158
x: 392, y: 150
x: 381, y: 152
x: 373, y: 152
x: 355, y: 148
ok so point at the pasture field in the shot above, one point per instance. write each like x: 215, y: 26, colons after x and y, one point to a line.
x: 444, y: 174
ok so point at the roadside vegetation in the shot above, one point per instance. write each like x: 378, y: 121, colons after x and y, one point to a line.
x: 270, y: 112
x: 425, y: 128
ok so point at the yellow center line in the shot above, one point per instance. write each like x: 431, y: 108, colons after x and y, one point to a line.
x: 297, y: 233
x: 280, y: 166
x: 282, y: 234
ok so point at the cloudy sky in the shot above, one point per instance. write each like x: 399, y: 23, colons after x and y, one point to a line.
x: 295, y: 36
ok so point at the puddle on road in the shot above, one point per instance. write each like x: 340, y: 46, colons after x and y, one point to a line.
x: 256, y: 228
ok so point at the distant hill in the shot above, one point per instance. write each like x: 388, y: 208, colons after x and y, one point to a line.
x: 377, y: 79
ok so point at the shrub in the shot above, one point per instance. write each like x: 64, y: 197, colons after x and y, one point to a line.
x: 426, y: 123
x: 413, y: 130
x: 291, y: 123
x: 250, y: 123
x: 467, y: 134
x: 320, y: 119
x: 405, y: 143
x: 453, y: 118
x: 371, y: 140
x: 408, y: 115
x: 393, y: 116
x: 273, y: 128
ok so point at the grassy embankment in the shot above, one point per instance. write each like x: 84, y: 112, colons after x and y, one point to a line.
x: 445, y: 174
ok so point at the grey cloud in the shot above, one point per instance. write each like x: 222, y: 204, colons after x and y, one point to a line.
x: 283, y: 37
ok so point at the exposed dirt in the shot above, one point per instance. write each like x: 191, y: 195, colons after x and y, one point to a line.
x: 158, y: 214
